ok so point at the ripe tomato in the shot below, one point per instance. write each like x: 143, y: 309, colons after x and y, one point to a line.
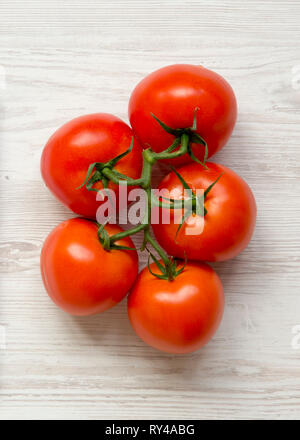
x: 79, y: 143
x: 228, y: 224
x: 79, y: 275
x: 172, y: 94
x: 178, y: 316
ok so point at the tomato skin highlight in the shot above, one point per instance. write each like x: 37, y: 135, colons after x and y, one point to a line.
x: 228, y: 225
x: 172, y: 94
x: 79, y: 275
x: 178, y: 316
x: 77, y: 144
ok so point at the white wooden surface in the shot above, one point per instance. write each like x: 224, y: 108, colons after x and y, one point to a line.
x: 60, y: 59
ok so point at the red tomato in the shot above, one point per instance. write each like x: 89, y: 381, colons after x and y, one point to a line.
x: 79, y: 143
x: 178, y: 316
x: 228, y: 224
x: 172, y: 94
x: 79, y: 275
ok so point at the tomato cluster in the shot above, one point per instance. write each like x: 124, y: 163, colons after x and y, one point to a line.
x: 179, y: 114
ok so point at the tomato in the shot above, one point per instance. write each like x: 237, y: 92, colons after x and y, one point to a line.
x: 178, y: 316
x: 228, y: 224
x: 79, y: 275
x: 79, y: 143
x: 172, y: 94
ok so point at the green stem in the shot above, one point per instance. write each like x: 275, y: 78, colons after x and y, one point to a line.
x: 149, y: 159
x: 156, y: 246
x: 171, y: 204
x: 148, y: 162
x: 180, y: 152
x: 120, y: 179
x: 128, y: 232
x: 179, y: 147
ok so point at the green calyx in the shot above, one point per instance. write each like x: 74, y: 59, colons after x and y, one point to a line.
x: 96, y: 171
x: 194, y: 205
x: 106, y: 172
x: 168, y: 271
x: 192, y: 138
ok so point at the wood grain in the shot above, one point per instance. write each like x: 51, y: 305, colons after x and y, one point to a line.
x: 62, y: 59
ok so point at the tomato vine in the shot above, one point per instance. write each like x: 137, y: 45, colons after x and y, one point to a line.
x: 105, y: 172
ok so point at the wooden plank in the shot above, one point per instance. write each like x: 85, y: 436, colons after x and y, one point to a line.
x: 62, y: 59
